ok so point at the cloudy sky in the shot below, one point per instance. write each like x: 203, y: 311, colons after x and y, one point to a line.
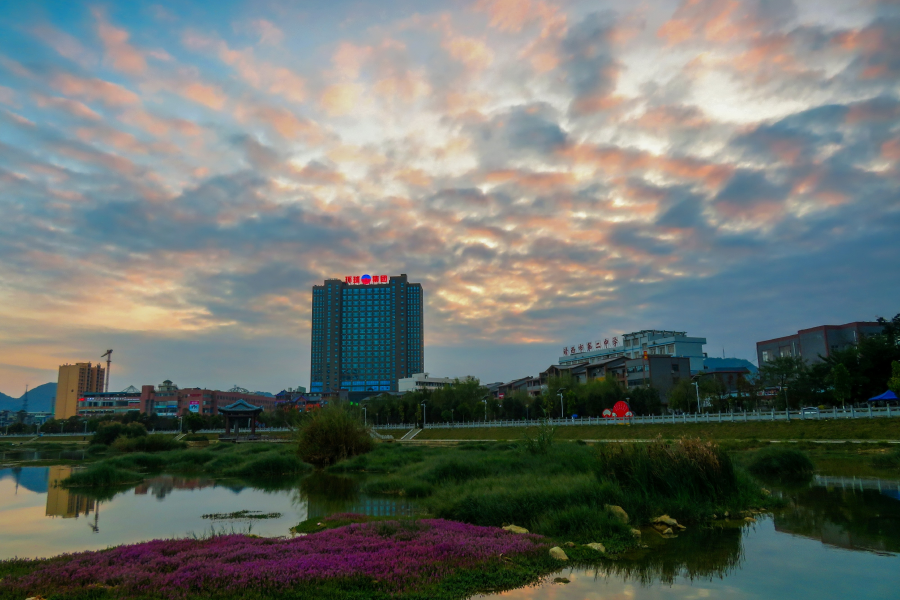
x: 174, y: 177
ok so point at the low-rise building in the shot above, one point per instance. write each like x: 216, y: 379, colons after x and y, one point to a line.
x: 816, y: 344
x: 170, y: 401
x: 423, y: 381
x: 654, y: 342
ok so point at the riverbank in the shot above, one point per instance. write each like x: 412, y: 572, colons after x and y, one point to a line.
x: 849, y: 429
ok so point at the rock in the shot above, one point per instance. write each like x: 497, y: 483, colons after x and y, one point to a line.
x: 569, y: 544
x: 515, y: 529
x: 727, y: 514
x: 714, y: 517
x: 597, y: 546
x: 561, y: 580
x: 666, y: 520
x: 636, y: 532
x: 749, y: 519
x: 617, y: 512
x: 766, y: 492
x: 557, y: 553
x: 668, y: 531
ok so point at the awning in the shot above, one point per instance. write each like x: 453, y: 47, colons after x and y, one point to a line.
x: 888, y: 395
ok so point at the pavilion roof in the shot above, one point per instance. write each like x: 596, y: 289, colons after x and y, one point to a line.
x: 240, y: 406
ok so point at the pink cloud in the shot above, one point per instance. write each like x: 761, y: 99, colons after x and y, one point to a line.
x: 159, y: 126
x: 73, y: 107
x: 65, y: 45
x: 119, y: 53
x: 91, y: 89
x: 268, y: 33
x: 340, y: 98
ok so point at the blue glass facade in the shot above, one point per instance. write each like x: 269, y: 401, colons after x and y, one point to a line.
x: 365, y: 337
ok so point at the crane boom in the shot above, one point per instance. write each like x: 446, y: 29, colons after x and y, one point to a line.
x: 108, y: 357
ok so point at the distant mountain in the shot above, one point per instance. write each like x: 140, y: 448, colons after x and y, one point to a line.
x: 40, y: 399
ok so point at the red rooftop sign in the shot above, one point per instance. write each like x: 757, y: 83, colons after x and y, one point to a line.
x: 365, y: 279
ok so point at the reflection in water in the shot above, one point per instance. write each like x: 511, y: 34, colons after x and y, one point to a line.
x: 851, y: 513
x: 322, y: 494
x: 163, y: 485
x: 61, y: 502
x: 695, y: 554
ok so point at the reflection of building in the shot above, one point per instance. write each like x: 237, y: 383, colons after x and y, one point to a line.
x: 163, y: 485
x: 74, y: 382
x: 316, y: 507
x: 60, y: 501
x: 811, y: 344
x: 366, y: 334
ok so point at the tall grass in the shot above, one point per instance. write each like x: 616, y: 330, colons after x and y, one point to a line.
x: 563, y: 493
x: 147, y: 443
x: 781, y: 463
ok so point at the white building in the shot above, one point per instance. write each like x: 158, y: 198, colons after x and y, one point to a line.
x: 633, y: 345
x: 422, y: 381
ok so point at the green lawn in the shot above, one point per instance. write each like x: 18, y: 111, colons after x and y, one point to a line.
x: 851, y: 429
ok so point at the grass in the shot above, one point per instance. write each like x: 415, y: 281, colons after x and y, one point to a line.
x: 562, y: 494
x: 826, y: 429
x: 783, y: 463
x: 101, y: 475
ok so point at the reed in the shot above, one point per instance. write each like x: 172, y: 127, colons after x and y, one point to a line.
x: 102, y: 474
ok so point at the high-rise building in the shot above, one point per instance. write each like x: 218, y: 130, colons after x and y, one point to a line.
x: 366, y: 334
x: 817, y: 343
x: 74, y: 382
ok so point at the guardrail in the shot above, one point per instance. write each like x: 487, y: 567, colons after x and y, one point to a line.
x: 720, y: 417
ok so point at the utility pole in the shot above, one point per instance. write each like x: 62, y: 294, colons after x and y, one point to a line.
x: 108, y: 356
x: 697, y: 387
x: 562, y: 405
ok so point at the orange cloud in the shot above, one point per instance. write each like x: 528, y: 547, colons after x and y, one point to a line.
x: 474, y: 53
x: 282, y: 121
x: 340, y: 98
x: 513, y: 15
x: 203, y: 93
x: 159, y: 126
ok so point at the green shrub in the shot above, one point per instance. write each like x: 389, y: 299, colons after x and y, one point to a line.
x: 195, y: 437
x: 331, y: 435
x: 781, y: 463
x: 140, y: 461
x: 147, y: 443
x: 101, y: 474
x: 95, y: 449
x: 583, y: 524
x: 108, y: 432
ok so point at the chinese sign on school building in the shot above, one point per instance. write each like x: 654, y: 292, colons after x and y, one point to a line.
x: 592, y: 346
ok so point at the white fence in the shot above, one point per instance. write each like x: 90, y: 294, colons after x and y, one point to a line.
x: 729, y: 417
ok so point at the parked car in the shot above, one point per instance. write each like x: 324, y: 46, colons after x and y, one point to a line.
x: 810, y: 410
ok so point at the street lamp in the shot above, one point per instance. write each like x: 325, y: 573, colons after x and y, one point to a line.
x: 423, y: 415
x: 365, y: 417
x: 562, y: 405
x: 697, y: 387
x: 485, y: 409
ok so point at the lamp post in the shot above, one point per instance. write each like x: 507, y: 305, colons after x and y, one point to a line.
x: 485, y: 409
x: 562, y: 405
x: 697, y: 387
x: 180, y: 427
x: 365, y: 417
x: 451, y: 416
x: 423, y: 415
x: 787, y: 406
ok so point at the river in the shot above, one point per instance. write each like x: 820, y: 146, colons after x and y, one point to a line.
x: 838, y: 537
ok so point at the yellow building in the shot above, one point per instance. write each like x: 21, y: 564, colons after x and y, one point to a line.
x: 74, y: 382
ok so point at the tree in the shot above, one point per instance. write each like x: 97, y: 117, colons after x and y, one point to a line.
x: 780, y: 372
x: 840, y: 377
x: 894, y: 381
x: 194, y: 422
x: 682, y: 396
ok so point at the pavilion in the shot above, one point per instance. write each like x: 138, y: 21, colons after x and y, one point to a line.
x: 240, y: 410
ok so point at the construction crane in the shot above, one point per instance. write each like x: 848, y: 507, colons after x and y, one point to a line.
x: 108, y: 357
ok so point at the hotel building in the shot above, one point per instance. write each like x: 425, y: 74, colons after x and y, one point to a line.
x: 73, y: 383
x: 633, y: 345
x: 366, y: 334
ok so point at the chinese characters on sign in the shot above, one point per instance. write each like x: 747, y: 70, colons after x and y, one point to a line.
x: 365, y: 279
x: 591, y: 346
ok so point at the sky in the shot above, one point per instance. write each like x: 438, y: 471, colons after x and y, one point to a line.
x: 176, y: 176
